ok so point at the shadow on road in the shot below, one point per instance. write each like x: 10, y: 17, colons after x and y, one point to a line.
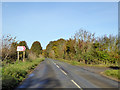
x: 41, y: 83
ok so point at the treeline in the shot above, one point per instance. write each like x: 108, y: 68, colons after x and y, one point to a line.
x: 9, y: 49
x: 85, y: 47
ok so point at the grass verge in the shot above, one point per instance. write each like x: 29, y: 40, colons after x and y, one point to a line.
x: 114, y: 74
x: 13, y: 74
x: 73, y: 62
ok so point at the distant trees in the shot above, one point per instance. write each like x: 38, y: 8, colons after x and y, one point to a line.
x: 84, y: 47
x: 56, y: 49
x: 36, y: 48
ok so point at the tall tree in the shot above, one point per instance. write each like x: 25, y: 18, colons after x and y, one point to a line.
x: 36, y: 48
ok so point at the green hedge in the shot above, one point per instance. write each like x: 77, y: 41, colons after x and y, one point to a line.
x: 13, y: 74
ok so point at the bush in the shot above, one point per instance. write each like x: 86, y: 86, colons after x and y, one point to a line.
x: 32, y: 56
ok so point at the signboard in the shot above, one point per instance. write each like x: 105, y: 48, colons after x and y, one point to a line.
x: 21, y: 48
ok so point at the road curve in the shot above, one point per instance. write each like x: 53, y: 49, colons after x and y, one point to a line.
x: 56, y: 74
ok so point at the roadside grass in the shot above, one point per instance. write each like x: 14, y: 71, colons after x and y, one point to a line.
x: 13, y: 74
x: 73, y: 62
x: 113, y: 73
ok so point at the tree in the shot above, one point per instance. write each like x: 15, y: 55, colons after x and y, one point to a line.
x: 36, y: 48
x: 56, y: 49
x: 13, y: 51
x: 9, y: 46
x: 85, y: 47
x: 23, y: 43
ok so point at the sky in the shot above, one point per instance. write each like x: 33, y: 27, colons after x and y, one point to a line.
x: 49, y: 21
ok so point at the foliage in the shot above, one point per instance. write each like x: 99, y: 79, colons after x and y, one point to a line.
x: 36, y: 48
x: 56, y: 49
x: 23, y: 43
x: 9, y: 46
x: 13, y: 74
x: 85, y: 47
x: 31, y: 55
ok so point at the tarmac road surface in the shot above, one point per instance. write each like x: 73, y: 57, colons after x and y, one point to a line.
x: 56, y: 74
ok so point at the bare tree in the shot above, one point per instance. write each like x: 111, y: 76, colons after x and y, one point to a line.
x: 7, y: 46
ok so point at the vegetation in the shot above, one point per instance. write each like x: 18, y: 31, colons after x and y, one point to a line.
x: 76, y: 63
x: 113, y: 73
x: 36, y: 48
x: 9, y: 45
x: 85, y: 48
x: 14, y: 71
x: 13, y: 74
x: 9, y: 50
x: 81, y: 49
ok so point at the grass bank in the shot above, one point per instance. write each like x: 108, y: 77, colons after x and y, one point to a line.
x: 114, y: 74
x: 13, y: 74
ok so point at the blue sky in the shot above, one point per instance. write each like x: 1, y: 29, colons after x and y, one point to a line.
x: 45, y: 22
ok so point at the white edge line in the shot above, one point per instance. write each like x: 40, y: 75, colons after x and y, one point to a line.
x: 75, y: 83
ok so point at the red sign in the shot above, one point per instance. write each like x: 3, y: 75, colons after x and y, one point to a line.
x: 21, y: 48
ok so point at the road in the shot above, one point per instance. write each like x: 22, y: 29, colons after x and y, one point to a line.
x: 56, y: 74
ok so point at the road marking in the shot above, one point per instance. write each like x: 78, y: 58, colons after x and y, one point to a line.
x: 63, y: 72
x: 60, y: 69
x: 75, y: 83
x: 57, y: 66
x: 54, y: 63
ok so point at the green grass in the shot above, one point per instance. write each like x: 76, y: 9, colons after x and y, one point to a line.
x: 73, y: 62
x: 13, y: 74
x: 113, y: 73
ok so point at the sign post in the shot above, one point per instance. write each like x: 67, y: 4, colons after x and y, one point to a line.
x: 21, y: 48
x: 23, y: 56
x: 18, y: 55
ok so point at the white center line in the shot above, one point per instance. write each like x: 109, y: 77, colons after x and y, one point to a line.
x: 63, y: 72
x: 57, y: 66
x: 54, y: 63
x: 75, y: 83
